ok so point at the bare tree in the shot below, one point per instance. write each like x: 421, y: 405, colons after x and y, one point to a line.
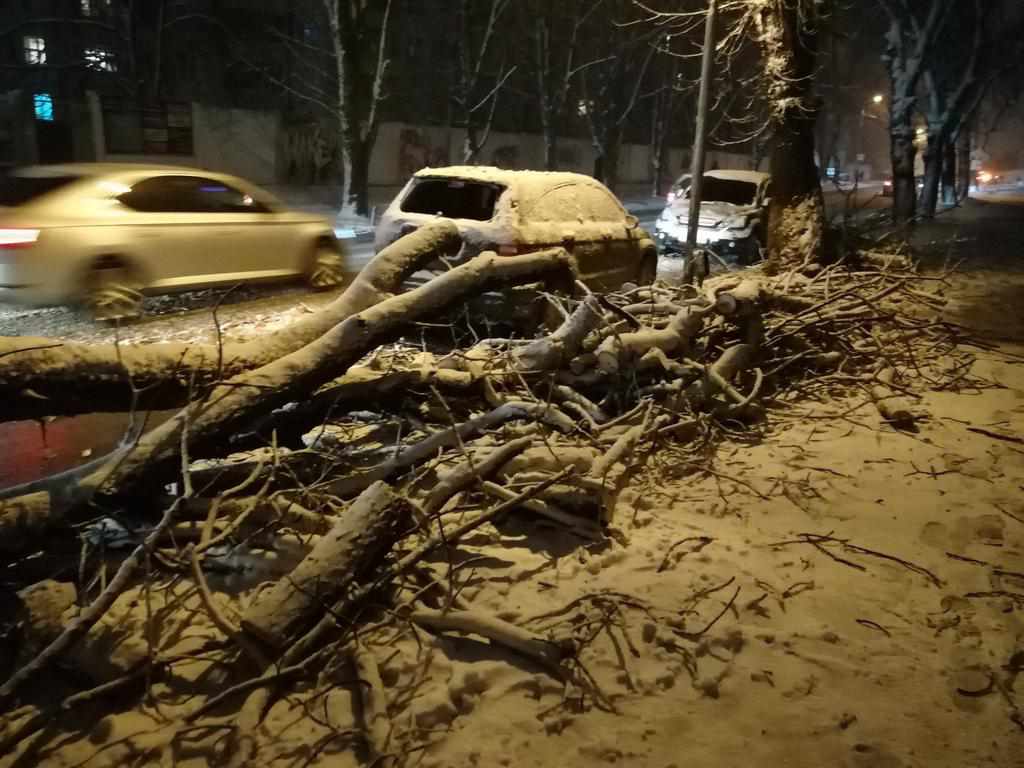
x: 621, y: 52
x: 914, y: 28
x: 555, y: 26
x: 474, y: 45
x: 360, y: 68
x: 952, y: 93
x: 981, y: 58
x: 665, y: 100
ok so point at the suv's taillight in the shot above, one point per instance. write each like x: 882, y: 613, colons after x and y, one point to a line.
x: 18, y: 238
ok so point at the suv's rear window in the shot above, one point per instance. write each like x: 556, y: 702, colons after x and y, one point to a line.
x: 728, y: 191
x: 453, y: 199
x: 18, y: 190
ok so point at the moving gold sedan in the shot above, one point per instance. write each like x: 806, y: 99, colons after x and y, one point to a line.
x: 105, y: 234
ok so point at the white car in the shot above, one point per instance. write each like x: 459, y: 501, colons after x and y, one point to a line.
x: 513, y: 212
x: 733, y: 214
x: 105, y: 234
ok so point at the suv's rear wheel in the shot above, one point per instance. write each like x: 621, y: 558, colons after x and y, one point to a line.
x: 328, y: 267
x: 751, y: 251
x: 112, y: 290
x: 648, y: 271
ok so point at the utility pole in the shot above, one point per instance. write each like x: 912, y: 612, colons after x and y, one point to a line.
x: 700, y: 134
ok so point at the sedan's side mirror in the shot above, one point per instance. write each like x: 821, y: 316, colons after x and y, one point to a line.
x: 632, y: 222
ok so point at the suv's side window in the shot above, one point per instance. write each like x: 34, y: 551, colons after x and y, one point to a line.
x: 601, y: 206
x: 558, y: 204
x: 188, y: 194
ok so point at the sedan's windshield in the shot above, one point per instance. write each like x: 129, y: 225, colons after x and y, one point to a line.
x: 452, y: 198
x: 18, y: 190
x: 728, y: 191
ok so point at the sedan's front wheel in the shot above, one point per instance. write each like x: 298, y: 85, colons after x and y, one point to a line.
x: 328, y: 268
x: 112, y: 292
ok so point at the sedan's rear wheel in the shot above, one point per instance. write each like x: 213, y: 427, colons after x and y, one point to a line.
x: 328, y: 268
x: 112, y: 291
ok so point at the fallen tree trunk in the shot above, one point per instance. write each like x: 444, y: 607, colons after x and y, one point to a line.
x: 893, y: 408
x: 544, y: 652
x: 368, y: 528
x: 48, y: 366
x: 234, y: 403
x: 447, y: 438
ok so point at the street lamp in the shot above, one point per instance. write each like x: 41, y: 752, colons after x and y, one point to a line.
x: 876, y: 99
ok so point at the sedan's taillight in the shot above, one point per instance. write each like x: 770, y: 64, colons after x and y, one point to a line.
x: 18, y: 238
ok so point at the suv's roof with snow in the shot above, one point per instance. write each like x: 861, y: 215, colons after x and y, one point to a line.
x: 753, y: 177
x: 505, y: 177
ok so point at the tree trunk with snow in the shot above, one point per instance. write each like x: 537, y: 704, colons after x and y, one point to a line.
x: 787, y: 34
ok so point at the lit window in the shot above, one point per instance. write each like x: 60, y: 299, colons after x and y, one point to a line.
x: 93, y: 7
x: 43, y: 103
x: 100, y: 59
x: 35, y: 50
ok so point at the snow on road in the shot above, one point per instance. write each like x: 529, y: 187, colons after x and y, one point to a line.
x: 243, y: 311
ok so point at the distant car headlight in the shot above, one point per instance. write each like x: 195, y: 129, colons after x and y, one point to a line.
x: 984, y: 177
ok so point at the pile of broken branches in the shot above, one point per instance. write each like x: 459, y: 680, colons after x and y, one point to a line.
x: 381, y: 453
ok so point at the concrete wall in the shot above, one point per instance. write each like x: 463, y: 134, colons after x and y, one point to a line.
x: 242, y: 142
x: 237, y: 141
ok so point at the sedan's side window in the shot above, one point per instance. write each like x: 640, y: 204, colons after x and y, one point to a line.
x: 217, y: 197
x: 160, y: 194
x: 189, y: 194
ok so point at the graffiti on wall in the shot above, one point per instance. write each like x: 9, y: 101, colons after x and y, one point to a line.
x: 309, y: 152
x: 415, y: 151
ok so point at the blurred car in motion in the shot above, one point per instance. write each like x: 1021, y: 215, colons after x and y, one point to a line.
x: 733, y: 214
x: 105, y: 234
x: 513, y: 212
